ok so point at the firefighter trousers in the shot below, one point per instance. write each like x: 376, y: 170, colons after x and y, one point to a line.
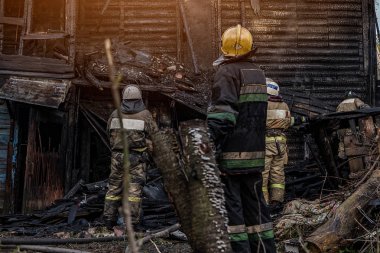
x: 115, y: 186
x: 249, y: 224
x: 273, y: 174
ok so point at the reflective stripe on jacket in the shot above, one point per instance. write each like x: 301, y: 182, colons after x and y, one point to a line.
x: 278, y: 116
x: 137, y: 125
x: 239, y: 96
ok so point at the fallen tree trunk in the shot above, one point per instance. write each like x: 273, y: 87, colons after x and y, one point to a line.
x: 192, y: 181
x: 331, y: 236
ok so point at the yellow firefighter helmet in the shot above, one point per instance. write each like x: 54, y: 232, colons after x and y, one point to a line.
x: 236, y: 41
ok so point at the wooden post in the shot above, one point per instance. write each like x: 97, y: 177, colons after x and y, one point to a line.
x: 365, y: 27
x: 27, y: 23
x: 70, y: 27
x: 70, y: 136
x: 179, y: 32
x: 1, y: 26
x: 242, y: 13
x: 188, y: 36
x: 85, y: 149
x: 76, y: 176
x: 28, y: 160
x: 8, y: 208
x: 122, y: 20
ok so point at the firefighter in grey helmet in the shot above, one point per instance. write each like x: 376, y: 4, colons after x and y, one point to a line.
x: 138, y: 125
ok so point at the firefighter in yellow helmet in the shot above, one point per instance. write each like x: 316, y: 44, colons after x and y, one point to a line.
x: 278, y: 120
x: 236, y: 120
x: 139, y: 125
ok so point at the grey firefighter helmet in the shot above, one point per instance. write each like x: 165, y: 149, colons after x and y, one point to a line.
x: 273, y: 88
x: 131, y: 92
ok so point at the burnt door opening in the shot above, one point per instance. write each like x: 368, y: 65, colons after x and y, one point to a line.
x: 44, y: 176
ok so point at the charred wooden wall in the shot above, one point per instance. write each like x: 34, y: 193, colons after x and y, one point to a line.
x: 321, y: 47
x: 316, y: 45
x: 149, y: 25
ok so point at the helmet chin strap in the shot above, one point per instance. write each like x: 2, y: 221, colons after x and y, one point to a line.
x: 238, y: 38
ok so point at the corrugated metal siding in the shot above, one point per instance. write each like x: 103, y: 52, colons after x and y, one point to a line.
x: 4, y: 139
x: 311, y: 44
x: 150, y: 25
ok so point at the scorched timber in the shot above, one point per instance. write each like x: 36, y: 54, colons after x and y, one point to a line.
x: 331, y: 236
x: 16, y: 63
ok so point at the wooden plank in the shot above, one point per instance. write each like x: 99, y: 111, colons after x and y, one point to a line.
x: 44, y: 92
x: 71, y: 20
x: 11, y: 21
x: 365, y: 28
x: 26, y: 26
x: 37, y: 74
x: 4, y: 57
x: 1, y: 26
x: 28, y: 66
x: 28, y: 17
x: 34, y: 64
x: 44, y: 36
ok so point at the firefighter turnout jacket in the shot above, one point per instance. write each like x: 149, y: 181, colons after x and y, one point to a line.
x: 352, y: 141
x: 138, y: 126
x: 278, y: 120
x: 351, y: 104
x: 236, y: 117
x: 236, y: 120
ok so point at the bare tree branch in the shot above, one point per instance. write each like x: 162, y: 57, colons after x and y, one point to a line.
x: 116, y: 98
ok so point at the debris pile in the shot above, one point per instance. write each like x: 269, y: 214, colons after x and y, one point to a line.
x: 161, y: 74
x: 82, y: 208
x: 348, y: 216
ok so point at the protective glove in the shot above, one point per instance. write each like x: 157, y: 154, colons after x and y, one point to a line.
x: 299, y: 120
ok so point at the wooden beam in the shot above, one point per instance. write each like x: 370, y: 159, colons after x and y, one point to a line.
x: 71, y: 22
x: 28, y: 16
x: 37, y: 74
x: 70, y: 134
x: 25, y: 26
x: 48, y: 93
x: 11, y: 21
x: 1, y: 26
x: 44, y: 36
x: 31, y: 59
x: 179, y: 32
x: 34, y: 64
x: 365, y: 28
